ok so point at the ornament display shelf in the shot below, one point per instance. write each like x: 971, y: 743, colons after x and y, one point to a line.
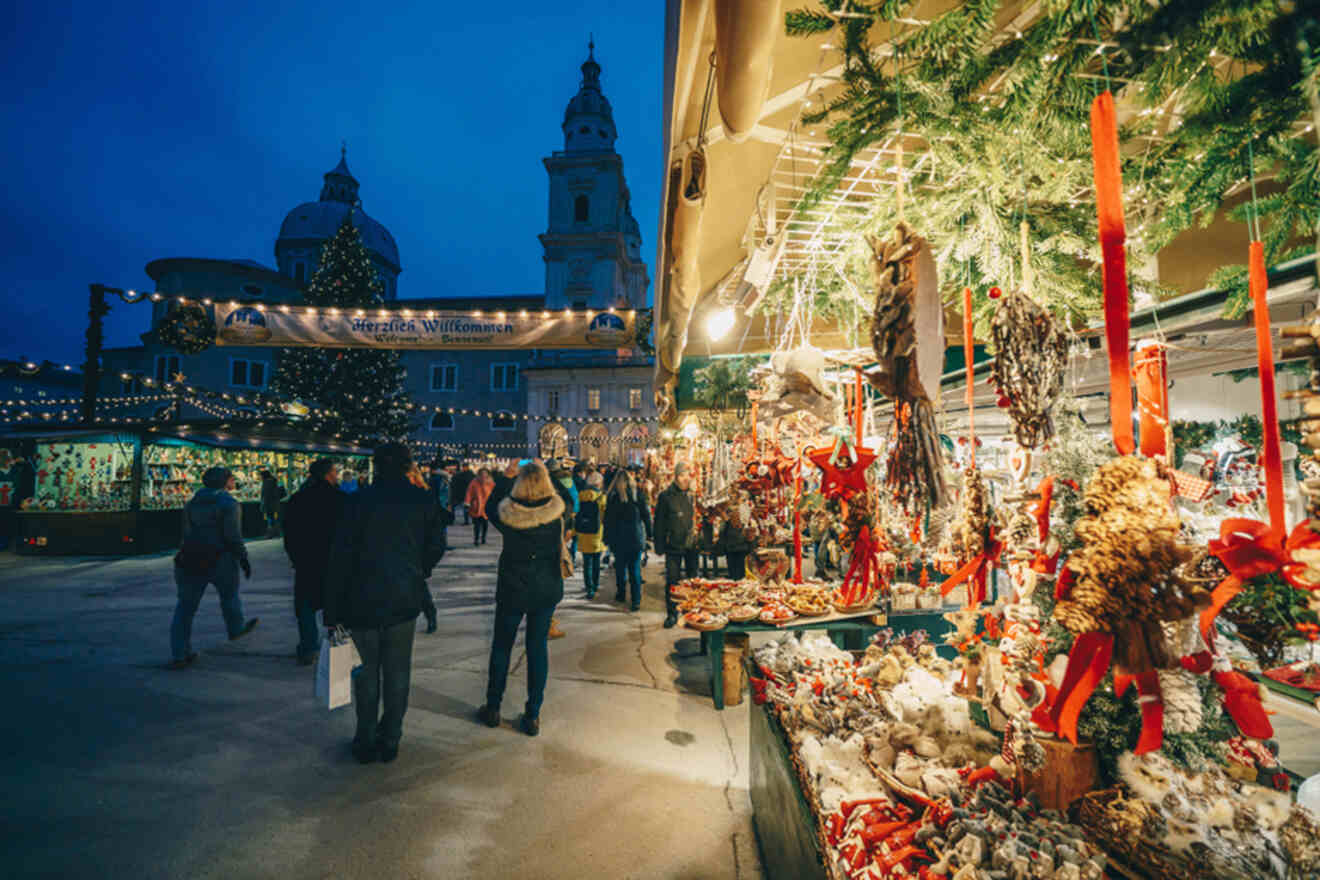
x: 850, y: 634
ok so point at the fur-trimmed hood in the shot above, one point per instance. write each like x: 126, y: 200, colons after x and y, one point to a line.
x: 523, y: 515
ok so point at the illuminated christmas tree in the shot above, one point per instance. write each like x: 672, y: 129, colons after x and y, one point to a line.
x: 356, y: 394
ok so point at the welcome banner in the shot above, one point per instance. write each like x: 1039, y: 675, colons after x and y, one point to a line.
x: 353, y: 328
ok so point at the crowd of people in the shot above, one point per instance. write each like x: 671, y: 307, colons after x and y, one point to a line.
x: 362, y: 554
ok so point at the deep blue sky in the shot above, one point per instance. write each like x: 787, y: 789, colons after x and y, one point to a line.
x: 142, y: 130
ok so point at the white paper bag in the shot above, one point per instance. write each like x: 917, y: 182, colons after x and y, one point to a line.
x: 334, y: 670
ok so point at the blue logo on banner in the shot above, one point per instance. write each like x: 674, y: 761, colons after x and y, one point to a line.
x: 245, y: 325
x: 607, y: 328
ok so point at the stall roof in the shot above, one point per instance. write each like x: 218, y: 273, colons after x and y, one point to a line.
x: 218, y: 434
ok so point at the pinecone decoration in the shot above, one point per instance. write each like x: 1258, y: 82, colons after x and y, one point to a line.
x: 908, y: 338
x: 973, y: 523
x: 893, y: 324
x: 1127, y: 570
x: 1183, y: 708
x: 1030, y: 355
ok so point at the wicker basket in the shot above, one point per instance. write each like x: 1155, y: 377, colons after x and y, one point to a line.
x: 1113, y: 823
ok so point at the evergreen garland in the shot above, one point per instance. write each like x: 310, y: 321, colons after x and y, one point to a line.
x: 1006, y: 119
x: 359, y: 391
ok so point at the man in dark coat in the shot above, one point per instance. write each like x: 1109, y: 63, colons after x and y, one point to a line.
x: 389, y: 539
x: 676, y: 536
x: 735, y: 544
x: 310, y: 520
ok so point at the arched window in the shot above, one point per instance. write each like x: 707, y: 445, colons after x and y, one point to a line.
x: 580, y: 206
x: 442, y: 422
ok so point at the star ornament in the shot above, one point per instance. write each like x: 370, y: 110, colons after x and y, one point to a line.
x: 844, y: 473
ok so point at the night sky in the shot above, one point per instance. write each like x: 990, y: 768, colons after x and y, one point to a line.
x: 136, y: 131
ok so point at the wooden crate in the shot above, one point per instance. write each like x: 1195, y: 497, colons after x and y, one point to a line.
x: 1070, y: 771
x: 736, y: 648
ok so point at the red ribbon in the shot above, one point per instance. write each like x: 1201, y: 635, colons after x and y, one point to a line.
x: 1249, y: 549
x: 864, y: 566
x: 1269, y: 413
x: 974, y: 572
x: 1242, y: 702
x: 1042, y: 509
x: 1152, y: 707
x: 969, y: 347
x: 1087, y: 664
x: 1151, y: 366
x: 1109, y: 213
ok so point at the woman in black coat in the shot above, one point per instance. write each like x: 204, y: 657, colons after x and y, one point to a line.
x: 530, y: 515
x: 310, y: 520
x: 627, y: 529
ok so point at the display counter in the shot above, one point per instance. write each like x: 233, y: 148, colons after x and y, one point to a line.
x: 111, y: 492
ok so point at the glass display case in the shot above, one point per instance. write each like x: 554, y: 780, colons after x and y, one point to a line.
x: 83, y: 475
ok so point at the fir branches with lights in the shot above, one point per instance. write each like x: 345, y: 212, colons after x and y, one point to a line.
x: 359, y: 392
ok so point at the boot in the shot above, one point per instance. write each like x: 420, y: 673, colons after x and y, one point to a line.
x: 555, y: 631
x: 430, y: 621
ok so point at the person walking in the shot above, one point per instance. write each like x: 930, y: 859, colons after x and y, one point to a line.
x: 627, y: 529
x: 675, y: 535
x: 387, y: 543
x: 478, y: 495
x: 589, y: 526
x: 734, y: 544
x: 271, y: 495
x: 563, y: 478
x: 310, y: 519
x: 212, y: 552
x: 348, y: 482
x: 529, y: 584
x: 428, y: 601
x: 458, y: 491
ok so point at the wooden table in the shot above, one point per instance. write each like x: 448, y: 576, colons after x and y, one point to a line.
x: 850, y: 634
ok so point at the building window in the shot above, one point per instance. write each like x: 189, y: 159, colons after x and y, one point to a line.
x: 580, y: 209
x: 502, y: 421
x: 247, y: 374
x: 442, y: 422
x: 503, y: 377
x: 167, y: 367
x: 593, y: 399
x: 634, y: 398
x: 552, y: 400
x: 444, y: 377
x: 300, y: 271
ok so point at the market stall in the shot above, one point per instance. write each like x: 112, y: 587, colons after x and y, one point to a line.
x: 1005, y: 311
x: 119, y: 490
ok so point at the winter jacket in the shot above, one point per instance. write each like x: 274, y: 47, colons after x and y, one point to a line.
x: 627, y: 525
x: 592, y: 542
x: 440, y: 487
x: 212, y: 517
x: 389, y: 539
x: 674, y: 527
x: 271, y: 493
x: 310, y: 520
x: 733, y: 540
x: 529, y: 578
x: 478, y: 494
x: 458, y: 486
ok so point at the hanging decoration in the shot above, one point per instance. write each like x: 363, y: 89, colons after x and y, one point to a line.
x: 1029, y: 363
x: 1151, y: 367
x: 1125, y: 581
x: 187, y: 328
x: 907, y: 334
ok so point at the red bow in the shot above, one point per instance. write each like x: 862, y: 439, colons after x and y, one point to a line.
x: 1250, y: 548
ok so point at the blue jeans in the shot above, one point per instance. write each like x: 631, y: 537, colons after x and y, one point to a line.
x: 191, y: 587
x: 538, y: 656
x: 572, y: 549
x: 628, y: 569
x: 384, y: 676
x: 591, y: 572
x: 309, y: 634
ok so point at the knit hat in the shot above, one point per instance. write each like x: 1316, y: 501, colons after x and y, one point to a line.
x: 216, y: 477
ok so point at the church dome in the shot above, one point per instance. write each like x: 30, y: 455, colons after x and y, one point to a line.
x: 316, y: 222
x: 588, y: 118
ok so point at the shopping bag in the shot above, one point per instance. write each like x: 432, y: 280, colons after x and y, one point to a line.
x: 334, y: 670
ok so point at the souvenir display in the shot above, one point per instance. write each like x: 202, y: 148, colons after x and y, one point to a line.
x: 79, y: 477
